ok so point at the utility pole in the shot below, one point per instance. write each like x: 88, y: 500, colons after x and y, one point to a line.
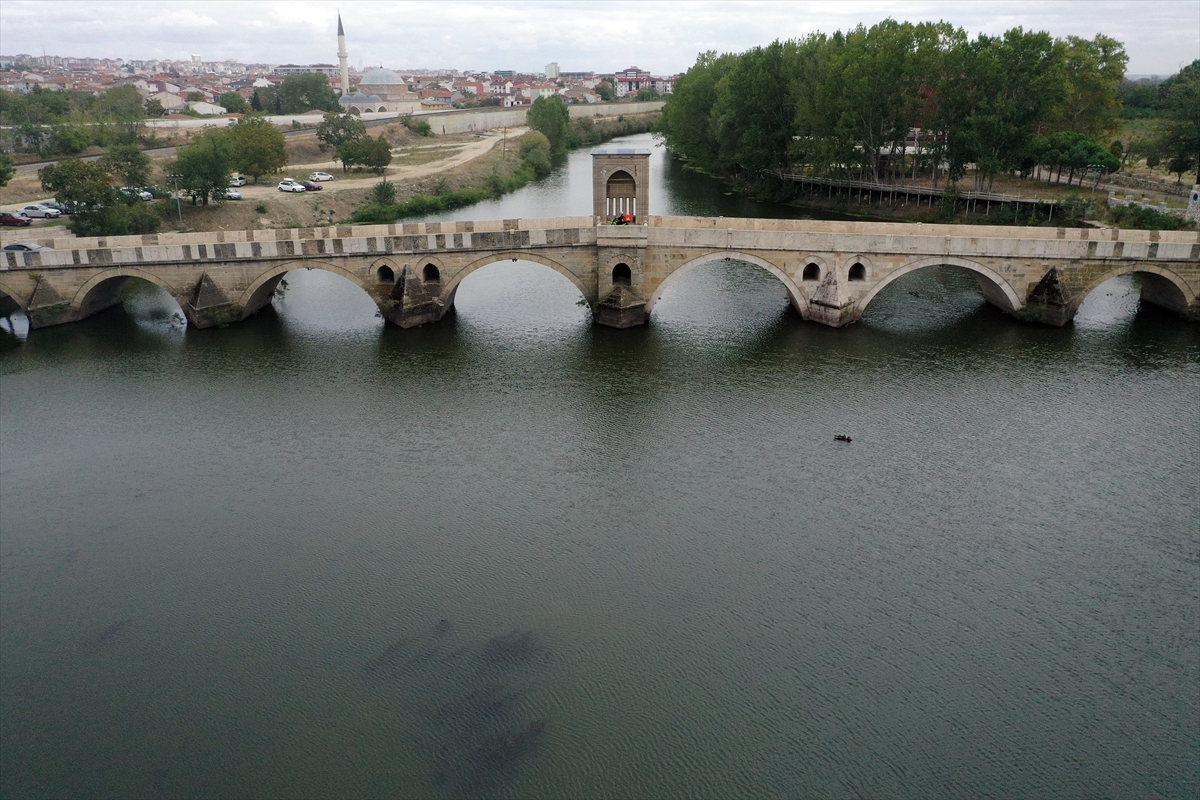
x: 178, y: 205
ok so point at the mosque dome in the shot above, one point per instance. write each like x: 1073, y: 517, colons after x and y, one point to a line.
x: 381, y: 77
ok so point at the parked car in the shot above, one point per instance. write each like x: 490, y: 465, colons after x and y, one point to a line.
x: 233, y: 194
x: 237, y: 180
x: 309, y: 186
x: 14, y: 219
x: 37, y: 210
x: 141, y: 194
x: 320, y: 176
x: 61, y: 207
x: 26, y: 246
x: 290, y: 185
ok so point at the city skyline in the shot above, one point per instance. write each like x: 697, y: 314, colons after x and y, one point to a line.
x: 1159, y: 39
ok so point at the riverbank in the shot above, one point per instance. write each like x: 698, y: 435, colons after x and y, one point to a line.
x: 438, y: 172
x: 506, y: 176
x: 1068, y: 206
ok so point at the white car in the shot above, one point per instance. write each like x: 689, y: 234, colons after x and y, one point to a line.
x: 141, y: 194
x: 38, y: 210
x: 233, y: 194
x: 320, y: 176
x: 290, y: 185
x: 237, y: 180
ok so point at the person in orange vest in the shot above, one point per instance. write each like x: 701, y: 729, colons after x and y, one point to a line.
x: 627, y: 218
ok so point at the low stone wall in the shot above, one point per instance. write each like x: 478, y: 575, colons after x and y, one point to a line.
x: 1192, y: 212
x: 812, y: 227
x: 1152, y: 184
x: 486, y: 119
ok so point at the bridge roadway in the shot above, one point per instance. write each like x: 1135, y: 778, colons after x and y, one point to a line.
x: 832, y: 270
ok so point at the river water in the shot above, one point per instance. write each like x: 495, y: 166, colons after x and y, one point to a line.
x: 514, y: 554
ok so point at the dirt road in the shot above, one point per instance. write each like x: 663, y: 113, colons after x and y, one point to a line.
x: 467, y: 152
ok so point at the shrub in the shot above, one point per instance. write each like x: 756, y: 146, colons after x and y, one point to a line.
x: 417, y: 126
x: 383, y: 194
x: 1136, y: 216
x: 261, y: 208
x: 535, y: 151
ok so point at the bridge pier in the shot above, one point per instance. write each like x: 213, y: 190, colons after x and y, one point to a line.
x: 831, y: 304
x: 415, y: 299
x: 208, y: 305
x: 47, y: 307
x: 621, y: 275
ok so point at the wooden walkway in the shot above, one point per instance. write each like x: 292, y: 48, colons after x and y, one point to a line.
x: 905, y: 191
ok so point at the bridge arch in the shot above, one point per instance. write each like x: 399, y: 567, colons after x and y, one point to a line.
x: 798, y: 298
x: 449, y: 287
x: 20, y: 300
x: 384, y: 270
x: 1001, y: 294
x: 812, y: 267
x: 258, y: 292
x: 85, y: 297
x: 1161, y: 287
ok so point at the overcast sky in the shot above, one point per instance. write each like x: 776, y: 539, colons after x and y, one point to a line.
x: 1160, y: 36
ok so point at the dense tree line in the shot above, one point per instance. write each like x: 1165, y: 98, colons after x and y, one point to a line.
x: 346, y: 135
x: 297, y: 94
x: 844, y: 104
x: 69, y: 122
x: 551, y: 117
x: 97, y: 208
x: 254, y: 147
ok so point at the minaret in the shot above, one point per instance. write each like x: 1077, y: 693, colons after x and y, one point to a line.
x: 342, y: 56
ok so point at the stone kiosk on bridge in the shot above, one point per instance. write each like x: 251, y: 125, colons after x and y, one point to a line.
x: 831, y: 270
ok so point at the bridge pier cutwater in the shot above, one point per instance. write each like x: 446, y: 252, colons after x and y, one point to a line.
x: 831, y: 270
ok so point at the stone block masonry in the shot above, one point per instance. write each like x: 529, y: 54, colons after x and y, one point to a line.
x: 831, y: 270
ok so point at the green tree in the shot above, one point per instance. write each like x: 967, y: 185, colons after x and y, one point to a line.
x: 122, y: 104
x: 97, y: 208
x: 194, y: 97
x: 234, y: 103
x: 8, y: 168
x: 753, y: 113
x: 647, y: 93
x: 383, y: 193
x: 376, y: 154
x: 78, y: 185
x: 417, y: 126
x: 550, y: 116
x: 128, y: 164
x: 258, y: 146
x: 686, y: 123
x: 1179, y: 135
x: 605, y: 91
x: 352, y: 152
x: 300, y: 93
x: 1017, y: 85
x: 266, y: 100
x: 67, y: 139
x: 336, y: 129
x: 535, y: 151
x: 154, y: 108
x: 205, y: 166
x: 1092, y: 69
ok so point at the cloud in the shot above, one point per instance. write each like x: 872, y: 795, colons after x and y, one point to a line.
x: 664, y: 37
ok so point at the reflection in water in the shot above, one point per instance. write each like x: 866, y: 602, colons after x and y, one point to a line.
x: 211, y: 540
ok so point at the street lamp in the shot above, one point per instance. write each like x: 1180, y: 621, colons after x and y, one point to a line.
x: 1099, y: 170
x: 175, y: 179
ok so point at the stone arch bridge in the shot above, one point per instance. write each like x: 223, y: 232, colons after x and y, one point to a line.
x: 831, y: 270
